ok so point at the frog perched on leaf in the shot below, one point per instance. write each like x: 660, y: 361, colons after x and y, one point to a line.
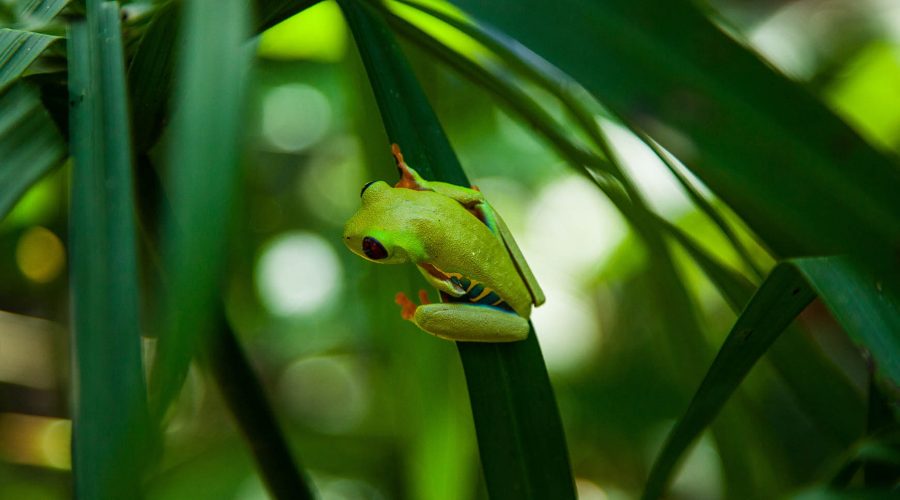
x: 461, y: 246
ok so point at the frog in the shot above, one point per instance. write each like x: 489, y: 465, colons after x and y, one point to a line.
x: 461, y: 246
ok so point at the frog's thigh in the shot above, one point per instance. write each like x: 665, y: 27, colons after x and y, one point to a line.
x: 470, y: 323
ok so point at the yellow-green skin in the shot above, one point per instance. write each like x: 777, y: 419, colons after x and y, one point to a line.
x: 434, y: 228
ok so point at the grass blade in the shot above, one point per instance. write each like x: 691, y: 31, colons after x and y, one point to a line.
x: 730, y: 118
x: 521, y: 442
x: 247, y: 401
x: 869, y: 317
x: 18, y: 49
x: 38, y: 12
x: 814, y: 380
x: 204, y: 160
x: 778, y: 301
x: 152, y: 68
x: 30, y: 144
x: 110, y: 412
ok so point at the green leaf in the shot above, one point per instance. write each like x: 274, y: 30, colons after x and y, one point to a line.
x: 110, y: 413
x: 18, y: 49
x: 521, y: 442
x: 151, y: 70
x: 869, y: 318
x: 247, y: 401
x: 203, y: 165
x: 861, y: 305
x: 38, y: 12
x: 801, y: 178
x: 681, y: 327
x: 775, y: 304
x: 814, y: 380
x: 30, y: 144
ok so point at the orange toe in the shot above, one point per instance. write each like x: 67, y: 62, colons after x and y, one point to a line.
x: 407, y: 306
x: 423, y: 297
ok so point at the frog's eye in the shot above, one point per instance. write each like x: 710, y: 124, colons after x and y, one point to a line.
x: 373, y: 249
x: 363, y: 190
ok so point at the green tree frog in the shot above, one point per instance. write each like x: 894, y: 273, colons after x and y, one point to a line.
x: 461, y: 246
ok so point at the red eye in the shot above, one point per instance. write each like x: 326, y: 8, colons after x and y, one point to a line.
x: 373, y: 249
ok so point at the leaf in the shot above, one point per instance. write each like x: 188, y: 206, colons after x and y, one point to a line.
x: 869, y: 318
x: 30, y: 144
x: 861, y: 305
x: 775, y: 304
x: 204, y: 169
x: 814, y: 380
x: 151, y: 70
x: 247, y: 401
x: 679, y: 321
x: 801, y: 178
x: 18, y: 49
x: 109, y: 427
x: 521, y: 442
x: 38, y: 12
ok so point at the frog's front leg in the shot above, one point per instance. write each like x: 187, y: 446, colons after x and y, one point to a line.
x: 464, y: 322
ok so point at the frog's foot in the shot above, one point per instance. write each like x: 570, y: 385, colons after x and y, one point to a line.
x: 409, y: 178
x: 407, y: 306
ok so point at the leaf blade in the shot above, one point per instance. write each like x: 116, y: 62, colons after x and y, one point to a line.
x: 30, y: 144
x: 18, y: 49
x: 776, y: 303
x: 109, y: 425
x: 732, y: 120
x: 520, y: 436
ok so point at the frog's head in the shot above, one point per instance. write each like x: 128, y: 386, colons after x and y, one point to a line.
x: 379, y: 231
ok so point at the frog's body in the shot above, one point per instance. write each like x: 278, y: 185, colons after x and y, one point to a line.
x: 460, y: 245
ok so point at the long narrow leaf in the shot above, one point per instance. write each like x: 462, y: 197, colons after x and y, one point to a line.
x: 870, y: 318
x: 523, y: 451
x: 246, y: 398
x: 815, y: 381
x: 861, y: 305
x: 801, y: 178
x: 778, y: 301
x: 38, y: 12
x: 680, y: 325
x: 204, y: 159
x: 152, y: 68
x: 30, y: 144
x: 110, y: 411
x: 18, y: 49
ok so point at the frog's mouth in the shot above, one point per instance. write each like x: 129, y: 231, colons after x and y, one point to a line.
x: 451, y: 286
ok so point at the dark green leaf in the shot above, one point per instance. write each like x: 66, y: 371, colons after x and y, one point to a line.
x: 271, y: 12
x: 18, y: 49
x: 247, y: 401
x: 151, y: 71
x: 30, y: 144
x: 870, y: 318
x: 861, y: 305
x: 38, y: 12
x: 801, y: 178
x: 203, y: 165
x: 777, y: 302
x: 522, y: 446
x: 815, y: 381
x: 110, y: 412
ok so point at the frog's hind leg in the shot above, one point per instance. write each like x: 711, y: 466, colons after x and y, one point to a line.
x: 471, y: 323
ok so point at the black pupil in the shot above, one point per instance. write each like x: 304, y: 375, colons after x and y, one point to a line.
x: 373, y: 249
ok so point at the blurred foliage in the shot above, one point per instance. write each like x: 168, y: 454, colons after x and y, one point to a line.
x: 643, y: 284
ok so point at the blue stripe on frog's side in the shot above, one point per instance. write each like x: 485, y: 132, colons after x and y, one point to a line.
x: 477, y: 293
